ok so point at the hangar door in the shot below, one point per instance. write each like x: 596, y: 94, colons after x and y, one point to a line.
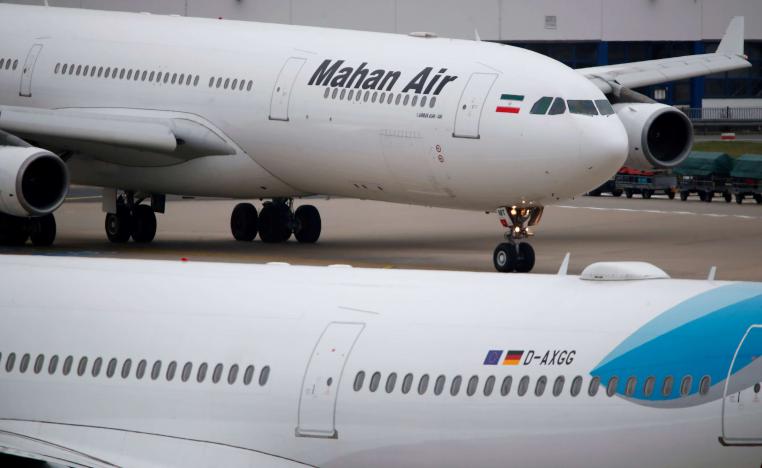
x: 284, y: 86
x: 26, y: 73
x: 742, y: 402
x: 317, y: 402
x: 471, y: 105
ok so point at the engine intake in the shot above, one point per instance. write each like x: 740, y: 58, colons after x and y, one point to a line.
x: 33, y: 181
x: 660, y: 136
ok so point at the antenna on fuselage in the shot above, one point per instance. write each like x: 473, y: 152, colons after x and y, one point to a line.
x: 477, y: 38
x: 712, y: 273
x: 564, y: 265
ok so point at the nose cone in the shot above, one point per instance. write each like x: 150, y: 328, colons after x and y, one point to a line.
x: 602, y: 147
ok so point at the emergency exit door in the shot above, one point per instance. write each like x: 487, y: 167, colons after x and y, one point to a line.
x: 742, y: 397
x: 28, y: 70
x: 471, y: 105
x: 317, y: 403
x: 284, y: 86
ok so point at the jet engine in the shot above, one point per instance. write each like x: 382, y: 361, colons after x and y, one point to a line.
x: 33, y: 181
x: 660, y: 136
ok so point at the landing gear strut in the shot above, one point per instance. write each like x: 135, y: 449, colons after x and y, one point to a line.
x: 515, y: 255
x: 131, y: 219
x: 276, y: 222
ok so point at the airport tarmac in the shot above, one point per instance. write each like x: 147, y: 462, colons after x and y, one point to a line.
x: 683, y: 238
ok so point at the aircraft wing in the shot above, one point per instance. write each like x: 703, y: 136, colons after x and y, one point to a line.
x: 114, y: 137
x: 729, y: 56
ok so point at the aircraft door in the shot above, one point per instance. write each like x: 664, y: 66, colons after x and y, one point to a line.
x: 742, y: 402
x: 28, y: 70
x: 317, y: 402
x: 471, y: 105
x: 281, y: 96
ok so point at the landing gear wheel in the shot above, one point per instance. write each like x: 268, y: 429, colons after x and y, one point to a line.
x: 143, y: 224
x: 119, y: 225
x: 505, y: 257
x: 525, y: 260
x: 739, y: 198
x: 244, y: 222
x: 275, y: 223
x: 308, y: 224
x: 728, y: 197
x: 43, y: 230
x: 13, y: 230
x: 628, y: 193
x: 684, y: 195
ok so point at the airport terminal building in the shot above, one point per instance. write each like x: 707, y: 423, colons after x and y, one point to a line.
x: 582, y: 33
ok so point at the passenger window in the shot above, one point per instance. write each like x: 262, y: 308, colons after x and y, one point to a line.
x: 334, y: 93
x: 211, y: 82
x: 558, y: 385
x: 629, y: 386
x: 375, y: 380
x: 539, y: 387
x: 156, y: 370
x: 389, y: 98
x: 141, y: 370
x: 439, y: 385
x: 358, y: 95
x: 414, y: 101
x: 53, y: 364
x: 171, y: 369
x: 129, y: 74
x: 121, y: 73
x: 248, y: 375
x: 423, y: 384
x: 97, y: 364
x: 158, y: 77
x: 375, y: 95
x: 137, y: 75
x: 604, y: 107
x: 489, y: 385
x: 407, y: 383
x: 367, y: 95
x: 685, y: 385
x: 195, y: 81
x: 9, y: 362
x: 406, y: 100
x: 126, y: 367
x: 576, y: 386
x: 666, y: 388
x: 233, y: 374
x: 541, y: 106
x: 24, y: 365
x: 455, y: 385
x: 326, y: 93
x: 558, y: 107
x: 67, y: 365
x: 582, y: 107
x: 592, y: 390
x: 473, y: 383
x: 111, y: 369
x: 81, y: 368
x: 79, y: 69
x: 249, y: 86
x: 523, y: 386
x: 114, y: 72
x: 201, y: 374
x: 704, y: 385
x: 174, y: 79
x: 2, y: 62
x: 391, y: 381
x: 187, y: 369
x: 234, y: 85
x: 397, y: 100
x: 15, y: 64
x: 343, y: 93
x: 423, y: 101
x: 55, y: 71
x: 264, y: 374
x: 351, y: 94
x: 648, y: 387
x: 166, y: 78
x: 433, y: 102
x: 505, y: 388
x: 39, y: 363
x: 63, y: 70
x: 217, y: 374
x: 100, y: 71
x: 227, y: 83
x: 611, y: 387
x: 92, y: 71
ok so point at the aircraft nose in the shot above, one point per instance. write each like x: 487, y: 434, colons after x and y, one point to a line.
x: 603, y: 147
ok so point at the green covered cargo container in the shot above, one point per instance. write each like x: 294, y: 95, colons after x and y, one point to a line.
x: 747, y: 178
x: 706, y: 174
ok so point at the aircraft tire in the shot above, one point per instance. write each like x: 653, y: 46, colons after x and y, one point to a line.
x: 244, y: 222
x: 505, y: 257
x: 119, y: 225
x: 13, y: 230
x: 43, y: 230
x: 525, y: 260
x: 143, y: 224
x: 308, y: 224
x: 274, y: 223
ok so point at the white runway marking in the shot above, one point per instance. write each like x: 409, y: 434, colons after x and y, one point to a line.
x: 668, y: 212
x: 95, y: 197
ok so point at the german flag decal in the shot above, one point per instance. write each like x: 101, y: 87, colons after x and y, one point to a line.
x: 512, y: 358
x: 509, y: 103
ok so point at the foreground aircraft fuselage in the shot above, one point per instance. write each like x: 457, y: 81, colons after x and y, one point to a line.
x: 225, y: 365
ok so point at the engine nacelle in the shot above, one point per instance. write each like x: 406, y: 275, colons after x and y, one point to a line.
x: 33, y: 181
x: 660, y: 136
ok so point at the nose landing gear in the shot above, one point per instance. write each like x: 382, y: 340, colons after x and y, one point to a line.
x: 515, y: 255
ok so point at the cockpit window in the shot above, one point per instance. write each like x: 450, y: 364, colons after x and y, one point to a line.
x: 604, y: 107
x: 541, y: 106
x: 558, y: 107
x: 582, y: 107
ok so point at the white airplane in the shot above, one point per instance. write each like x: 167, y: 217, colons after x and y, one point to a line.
x: 223, y: 365
x: 146, y: 105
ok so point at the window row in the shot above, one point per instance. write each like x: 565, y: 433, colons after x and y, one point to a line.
x: 113, y: 73
x: 575, y: 388
x: 142, y: 369
x: 233, y: 84
x: 7, y: 64
x: 557, y: 106
x: 398, y: 99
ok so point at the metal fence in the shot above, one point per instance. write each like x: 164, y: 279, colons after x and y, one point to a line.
x: 728, y: 114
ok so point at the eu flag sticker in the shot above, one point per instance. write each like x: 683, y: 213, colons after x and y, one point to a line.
x: 493, y: 357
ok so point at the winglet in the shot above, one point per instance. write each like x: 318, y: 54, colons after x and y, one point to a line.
x: 712, y: 273
x: 564, y: 265
x: 732, y: 41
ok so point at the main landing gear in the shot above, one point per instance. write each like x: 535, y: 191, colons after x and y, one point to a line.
x: 515, y: 255
x: 133, y: 219
x: 276, y: 222
x: 15, y: 231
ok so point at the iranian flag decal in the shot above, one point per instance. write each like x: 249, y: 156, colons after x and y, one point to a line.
x: 509, y: 103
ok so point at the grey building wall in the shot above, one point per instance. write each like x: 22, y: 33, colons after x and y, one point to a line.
x: 507, y: 20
